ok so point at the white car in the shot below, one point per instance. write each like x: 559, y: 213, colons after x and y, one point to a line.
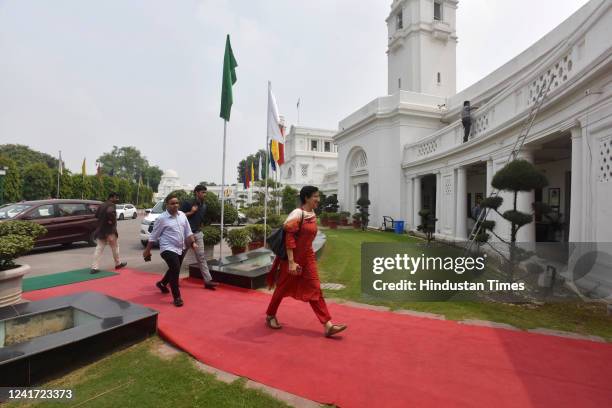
x: 125, y: 211
x: 146, y: 226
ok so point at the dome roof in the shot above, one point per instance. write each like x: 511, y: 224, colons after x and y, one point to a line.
x: 170, y: 173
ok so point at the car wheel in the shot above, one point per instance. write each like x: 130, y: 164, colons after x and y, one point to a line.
x: 92, y: 240
x: 121, y: 217
x: 144, y: 243
x: 135, y: 215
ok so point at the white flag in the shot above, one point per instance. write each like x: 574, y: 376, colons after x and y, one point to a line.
x: 274, y: 130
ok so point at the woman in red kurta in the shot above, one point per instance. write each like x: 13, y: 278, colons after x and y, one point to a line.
x: 298, y: 276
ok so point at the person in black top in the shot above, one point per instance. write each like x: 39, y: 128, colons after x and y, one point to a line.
x: 106, y: 233
x: 195, y: 210
x: 466, y: 119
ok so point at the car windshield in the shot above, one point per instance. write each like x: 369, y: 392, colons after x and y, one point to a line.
x: 11, y: 211
x: 119, y: 207
x: 158, y: 209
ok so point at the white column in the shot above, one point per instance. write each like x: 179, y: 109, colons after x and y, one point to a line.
x: 461, y: 221
x: 409, y: 211
x: 417, y: 205
x: 438, y: 201
x: 576, y: 197
x: 489, y: 177
x: 524, y: 203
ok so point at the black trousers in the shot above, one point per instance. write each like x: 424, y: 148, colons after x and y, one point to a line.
x: 467, y: 124
x: 171, y: 277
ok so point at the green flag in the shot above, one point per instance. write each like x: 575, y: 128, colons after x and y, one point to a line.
x: 229, y: 79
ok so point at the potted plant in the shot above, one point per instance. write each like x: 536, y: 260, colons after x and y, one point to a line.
x: 211, y: 237
x: 324, y: 218
x: 357, y: 220
x: 16, y: 239
x: 238, y: 239
x: 344, y: 216
x: 333, y: 220
x: 257, y: 235
x: 363, y: 205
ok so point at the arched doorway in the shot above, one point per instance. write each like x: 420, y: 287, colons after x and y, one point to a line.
x: 358, y: 177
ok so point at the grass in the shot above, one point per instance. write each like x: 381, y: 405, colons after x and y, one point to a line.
x: 139, y: 377
x: 341, y: 263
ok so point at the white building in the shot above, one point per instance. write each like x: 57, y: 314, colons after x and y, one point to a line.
x: 405, y: 151
x: 170, y: 182
x: 310, y: 154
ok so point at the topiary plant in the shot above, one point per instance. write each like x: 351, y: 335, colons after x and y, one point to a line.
x: 428, y: 224
x: 16, y: 239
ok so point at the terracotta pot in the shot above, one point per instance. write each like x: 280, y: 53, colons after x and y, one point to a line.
x: 344, y: 222
x: 255, y: 244
x: 236, y: 251
x: 333, y: 224
x: 325, y: 223
x: 11, y: 282
x: 357, y: 224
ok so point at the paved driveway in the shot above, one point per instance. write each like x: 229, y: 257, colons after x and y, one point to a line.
x: 44, y: 261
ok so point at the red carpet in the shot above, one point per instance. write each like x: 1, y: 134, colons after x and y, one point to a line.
x: 382, y: 360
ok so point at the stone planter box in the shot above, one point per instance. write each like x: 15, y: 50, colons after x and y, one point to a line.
x: 209, y: 251
x: 332, y: 224
x: 11, y: 285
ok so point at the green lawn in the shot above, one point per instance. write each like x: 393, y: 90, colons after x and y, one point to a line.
x: 139, y: 377
x: 341, y: 263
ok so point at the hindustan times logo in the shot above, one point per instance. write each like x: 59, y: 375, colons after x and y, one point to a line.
x: 411, y: 264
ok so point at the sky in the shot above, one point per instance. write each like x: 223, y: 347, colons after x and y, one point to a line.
x: 81, y: 76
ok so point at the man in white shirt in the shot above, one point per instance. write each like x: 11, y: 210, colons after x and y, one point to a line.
x: 172, y: 231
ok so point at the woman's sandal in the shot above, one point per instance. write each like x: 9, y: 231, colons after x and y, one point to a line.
x: 335, y: 329
x: 272, y: 323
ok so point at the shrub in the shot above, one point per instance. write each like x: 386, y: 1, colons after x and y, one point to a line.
x: 256, y: 232
x: 238, y: 238
x: 212, y: 235
x: 255, y: 212
x: 324, y: 216
x: 16, y: 239
x: 344, y: 215
x: 333, y: 217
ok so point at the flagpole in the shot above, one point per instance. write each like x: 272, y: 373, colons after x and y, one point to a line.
x: 267, y: 167
x: 59, y: 170
x: 222, y: 195
x: 138, y: 190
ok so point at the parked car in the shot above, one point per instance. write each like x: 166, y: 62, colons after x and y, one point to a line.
x: 126, y: 211
x: 242, y: 219
x: 66, y: 221
x: 146, y: 226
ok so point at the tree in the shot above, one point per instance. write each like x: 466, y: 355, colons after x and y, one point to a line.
x: 37, y: 182
x: 428, y: 224
x: 81, y: 187
x: 207, y: 183
x: 363, y: 205
x: 289, y: 199
x: 330, y: 204
x: 66, y: 185
x: 12, y: 184
x: 516, y: 176
x: 246, y: 162
x: 24, y: 156
x: 128, y: 163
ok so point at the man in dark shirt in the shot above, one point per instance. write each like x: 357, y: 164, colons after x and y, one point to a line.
x: 466, y: 119
x: 106, y: 233
x: 195, y: 210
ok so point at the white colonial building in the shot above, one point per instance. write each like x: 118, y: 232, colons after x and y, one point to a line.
x: 170, y: 182
x: 405, y: 151
x: 310, y: 154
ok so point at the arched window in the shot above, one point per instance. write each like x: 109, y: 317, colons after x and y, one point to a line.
x: 359, y: 162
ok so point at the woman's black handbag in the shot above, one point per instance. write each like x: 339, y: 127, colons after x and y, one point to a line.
x: 276, y: 242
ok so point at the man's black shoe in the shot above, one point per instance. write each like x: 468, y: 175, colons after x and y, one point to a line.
x: 211, y: 285
x: 121, y: 265
x: 178, y: 302
x: 162, y: 287
x: 94, y: 271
